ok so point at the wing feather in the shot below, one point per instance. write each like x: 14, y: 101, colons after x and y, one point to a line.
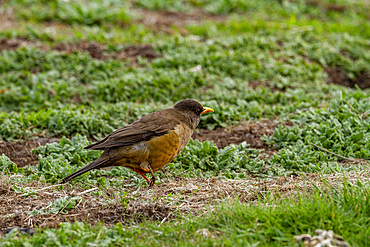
x: 151, y: 125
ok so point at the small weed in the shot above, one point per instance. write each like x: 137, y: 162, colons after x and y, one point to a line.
x: 61, y: 205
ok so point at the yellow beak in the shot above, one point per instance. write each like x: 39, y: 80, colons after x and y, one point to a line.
x: 206, y: 110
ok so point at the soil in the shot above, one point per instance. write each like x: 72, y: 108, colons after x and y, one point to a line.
x: 20, y: 152
x: 327, y: 6
x: 338, y: 76
x: 98, y: 51
x: 171, y: 199
x: 249, y: 132
x: 165, y: 20
x: 15, y: 43
x: 6, y: 18
x: 257, y: 84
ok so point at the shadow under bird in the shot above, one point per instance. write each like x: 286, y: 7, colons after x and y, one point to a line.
x: 150, y: 143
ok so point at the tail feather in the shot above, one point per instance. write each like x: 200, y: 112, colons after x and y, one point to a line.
x: 95, y: 164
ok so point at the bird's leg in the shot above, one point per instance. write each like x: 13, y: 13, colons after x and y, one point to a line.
x: 143, y: 175
x: 152, y: 181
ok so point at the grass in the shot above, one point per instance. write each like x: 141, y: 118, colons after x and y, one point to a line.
x: 270, y: 222
x: 248, y: 60
x: 83, y: 12
x: 224, y: 75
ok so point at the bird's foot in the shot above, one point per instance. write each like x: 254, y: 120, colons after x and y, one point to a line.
x: 152, y: 181
x: 141, y: 171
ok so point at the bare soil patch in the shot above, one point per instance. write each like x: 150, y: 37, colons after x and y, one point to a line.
x: 165, y: 202
x: 338, y: 76
x: 98, y: 51
x: 164, y: 20
x: 6, y: 18
x: 20, y: 152
x: 257, y: 84
x: 15, y: 43
x: 327, y: 6
x: 250, y: 133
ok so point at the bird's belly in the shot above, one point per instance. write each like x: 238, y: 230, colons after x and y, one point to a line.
x: 130, y: 157
x: 163, y: 149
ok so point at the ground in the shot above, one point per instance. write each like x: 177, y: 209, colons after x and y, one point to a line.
x: 289, y: 153
x: 175, y: 197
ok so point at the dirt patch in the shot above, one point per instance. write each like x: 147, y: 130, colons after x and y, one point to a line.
x: 20, y: 152
x: 15, y: 43
x: 257, y: 84
x: 98, y: 51
x: 250, y: 133
x: 7, y: 18
x: 165, y: 20
x: 327, y: 6
x: 169, y: 200
x: 6, y: 44
x: 338, y: 76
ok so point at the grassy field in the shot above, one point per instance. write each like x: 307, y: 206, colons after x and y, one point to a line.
x: 286, y: 151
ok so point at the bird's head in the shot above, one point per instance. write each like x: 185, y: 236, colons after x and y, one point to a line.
x: 193, y: 110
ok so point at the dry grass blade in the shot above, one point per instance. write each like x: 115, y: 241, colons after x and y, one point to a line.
x: 87, y: 191
x: 338, y: 155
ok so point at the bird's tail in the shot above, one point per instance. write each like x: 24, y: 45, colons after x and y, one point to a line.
x: 95, y: 164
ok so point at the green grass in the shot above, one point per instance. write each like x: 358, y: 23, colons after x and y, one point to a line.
x: 84, y: 12
x: 33, y: 79
x: 270, y: 222
x: 340, y: 128
x: 285, y: 47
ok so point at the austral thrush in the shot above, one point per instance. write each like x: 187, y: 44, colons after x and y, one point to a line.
x: 150, y: 143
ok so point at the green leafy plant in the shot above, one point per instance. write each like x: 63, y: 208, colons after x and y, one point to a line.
x: 78, y: 12
x: 205, y: 159
x: 24, y: 191
x: 60, y: 205
x: 7, y: 166
x: 339, y: 129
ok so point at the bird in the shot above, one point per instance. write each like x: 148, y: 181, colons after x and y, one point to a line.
x: 150, y: 143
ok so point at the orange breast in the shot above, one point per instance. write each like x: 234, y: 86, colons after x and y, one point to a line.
x: 162, y: 150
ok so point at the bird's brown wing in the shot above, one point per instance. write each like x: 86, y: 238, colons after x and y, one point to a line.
x: 151, y: 125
